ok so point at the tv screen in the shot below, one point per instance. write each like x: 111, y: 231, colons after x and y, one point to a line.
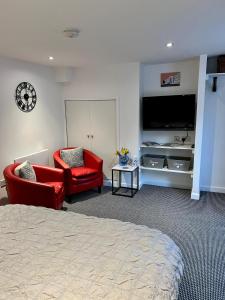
x: 169, y: 112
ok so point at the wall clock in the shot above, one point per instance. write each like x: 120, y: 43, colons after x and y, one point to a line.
x: 26, y: 97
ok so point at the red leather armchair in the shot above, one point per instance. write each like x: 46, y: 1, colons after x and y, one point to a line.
x: 47, y: 191
x: 81, y: 178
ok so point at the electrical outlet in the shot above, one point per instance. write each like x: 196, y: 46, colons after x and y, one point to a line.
x: 188, y: 139
x: 177, y: 139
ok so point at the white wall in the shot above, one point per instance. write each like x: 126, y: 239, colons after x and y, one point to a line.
x: 151, y: 78
x: 213, y: 158
x: 110, y: 82
x: 24, y: 133
x: 150, y: 86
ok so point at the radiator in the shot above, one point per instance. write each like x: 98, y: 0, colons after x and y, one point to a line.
x: 41, y: 158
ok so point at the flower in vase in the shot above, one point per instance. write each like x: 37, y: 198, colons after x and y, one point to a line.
x: 123, y: 157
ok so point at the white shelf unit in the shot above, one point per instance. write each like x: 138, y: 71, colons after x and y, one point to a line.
x: 167, y: 170
x: 211, y: 75
x: 171, y: 147
x: 177, y: 147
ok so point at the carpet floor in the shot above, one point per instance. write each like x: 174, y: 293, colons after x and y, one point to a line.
x: 197, y: 227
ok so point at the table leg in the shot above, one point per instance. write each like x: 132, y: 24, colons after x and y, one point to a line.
x: 112, y: 182
x: 132, y: 184
x: 138, y: 178
x: 119, y: 179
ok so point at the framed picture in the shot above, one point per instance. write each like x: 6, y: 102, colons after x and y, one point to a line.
x: 170, y: 79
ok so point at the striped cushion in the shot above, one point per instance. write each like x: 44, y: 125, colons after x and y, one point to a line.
x: 73, y: 157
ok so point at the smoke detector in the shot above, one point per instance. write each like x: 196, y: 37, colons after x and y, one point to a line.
x: 71, y: 33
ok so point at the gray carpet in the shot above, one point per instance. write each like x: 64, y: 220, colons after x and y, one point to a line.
x: 197, y: 227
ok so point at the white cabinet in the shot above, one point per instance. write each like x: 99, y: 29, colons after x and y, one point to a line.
x: 78, y: 124
x: 92, y: 125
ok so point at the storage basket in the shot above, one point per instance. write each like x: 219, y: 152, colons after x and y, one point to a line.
x: 153, y: 161
x: 178, y: 163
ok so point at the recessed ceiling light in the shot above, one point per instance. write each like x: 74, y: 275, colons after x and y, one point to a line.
x: 169, y: 44
x: 51, y: 58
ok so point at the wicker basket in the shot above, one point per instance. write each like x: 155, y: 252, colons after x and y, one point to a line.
x: 221, y: 64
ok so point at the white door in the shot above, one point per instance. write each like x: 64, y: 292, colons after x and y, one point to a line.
x: 103, y: 132
x: 78, y: 124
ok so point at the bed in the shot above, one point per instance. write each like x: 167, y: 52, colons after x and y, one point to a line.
x: 48, y: 254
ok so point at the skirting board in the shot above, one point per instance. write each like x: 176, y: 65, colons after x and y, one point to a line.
x: 194, y: 196
x: 213, y: 189
x: 165, y: 184
x: 108, y: 182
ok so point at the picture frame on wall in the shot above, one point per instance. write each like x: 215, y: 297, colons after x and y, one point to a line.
x: 170, y: 79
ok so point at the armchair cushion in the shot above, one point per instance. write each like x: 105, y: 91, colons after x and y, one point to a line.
x: 73, y: 157
x: 83, y: 172
x: 25, y: 171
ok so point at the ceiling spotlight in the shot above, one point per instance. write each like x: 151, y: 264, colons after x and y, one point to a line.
x: 169, y: 44
x: 51, y: 58
x: 71, y: 33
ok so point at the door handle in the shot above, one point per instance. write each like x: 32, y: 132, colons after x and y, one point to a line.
x: 92, y: 136
x: 88, y: 136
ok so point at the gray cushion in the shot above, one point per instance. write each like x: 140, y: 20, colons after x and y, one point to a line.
x: 73, y: 157
x: 25, y: 171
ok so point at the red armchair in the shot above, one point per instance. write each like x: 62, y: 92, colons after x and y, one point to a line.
x: 47, y: 191
x: 81, y: 178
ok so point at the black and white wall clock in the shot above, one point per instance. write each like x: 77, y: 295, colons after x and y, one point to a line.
x: 25, y: 97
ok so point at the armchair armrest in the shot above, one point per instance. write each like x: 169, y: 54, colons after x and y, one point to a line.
x: 93, y: 161
x: 34, y: 187
x: 45, y: 173
x: 29, y: 192
x: 59, y: 163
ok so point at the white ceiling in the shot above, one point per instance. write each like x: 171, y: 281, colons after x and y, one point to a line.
x: 112, y: 31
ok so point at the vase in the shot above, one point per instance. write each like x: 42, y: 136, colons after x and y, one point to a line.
x: 123, y: 160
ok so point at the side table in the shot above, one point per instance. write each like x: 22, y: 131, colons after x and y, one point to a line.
x: 125, y: 169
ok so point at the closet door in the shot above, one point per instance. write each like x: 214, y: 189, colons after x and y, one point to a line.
x: 103, y: 132
x: 78, y: 123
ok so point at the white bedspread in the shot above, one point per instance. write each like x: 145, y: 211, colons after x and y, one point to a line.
x: 48, y: 254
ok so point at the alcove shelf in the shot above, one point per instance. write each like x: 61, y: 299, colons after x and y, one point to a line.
x: 212, y: 75
x: 175, y: 147
x: 190, y: 172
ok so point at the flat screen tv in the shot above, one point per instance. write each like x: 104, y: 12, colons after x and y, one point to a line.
x: 175, y: 112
